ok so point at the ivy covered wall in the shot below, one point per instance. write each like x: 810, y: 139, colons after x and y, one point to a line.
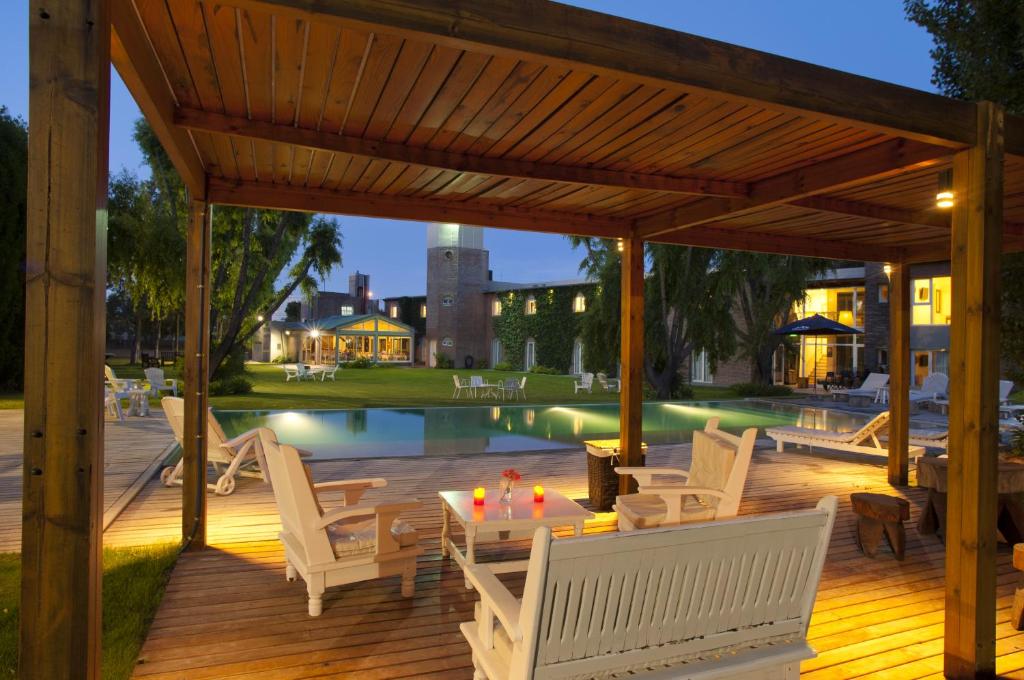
x: 554, y: 327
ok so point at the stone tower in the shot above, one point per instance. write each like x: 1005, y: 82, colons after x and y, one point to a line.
x: 457, y: 274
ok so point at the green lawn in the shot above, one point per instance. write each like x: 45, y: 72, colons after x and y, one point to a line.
x: 133, y: 584
x: 395, y: 386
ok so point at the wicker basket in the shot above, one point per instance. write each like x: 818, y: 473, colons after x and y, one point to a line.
x: 602, y: 481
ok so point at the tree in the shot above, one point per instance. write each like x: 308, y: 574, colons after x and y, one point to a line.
x: 258, y: 258
x: 13, y: 180
x: 686, y: 308
x: 979, y: 55
x: 293, y: 311
x: 765, y: 288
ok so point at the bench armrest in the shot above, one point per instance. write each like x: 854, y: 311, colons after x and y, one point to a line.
x: 494, y: 596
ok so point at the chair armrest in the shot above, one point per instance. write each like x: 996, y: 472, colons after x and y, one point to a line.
x: 365, y: 510
x: 342, y: 484
x: 496, y: 597
x: 243, y: 438
x: 681, y: 490
x: 644, y: 475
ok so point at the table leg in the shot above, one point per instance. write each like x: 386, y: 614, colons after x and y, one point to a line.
x: 578, y: 529
x: 445, y: 528
x: 470, y: 551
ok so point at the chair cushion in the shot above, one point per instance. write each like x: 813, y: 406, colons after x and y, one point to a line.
x: 645, y: 511
x: 358, y: 537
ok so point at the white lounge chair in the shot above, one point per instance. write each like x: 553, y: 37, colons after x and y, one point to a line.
x: 728, y: 599
x: 328, y: 372
x: 158, y: 383
x: 712, y: 487
x: 584, y: 384
x: 609, y: 384
x: 1006, y: 409
x: 241, y: 455
x: 357, y: 541
x: 461, y: 386
x: 933, y: 387
x: 865, y: 440
x: 869, y: 388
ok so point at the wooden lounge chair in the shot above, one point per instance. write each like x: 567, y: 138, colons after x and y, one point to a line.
x: 239, y: 456
x: 865, y: 440
x: 868, y: 389
x: 357, y: 541
x: 712, y: 488
x: 159, y: 383
x: 728, y: 599
x: 584, y: 384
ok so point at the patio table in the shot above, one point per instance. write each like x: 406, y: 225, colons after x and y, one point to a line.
x: 932, y: 474
x: 497, y: 521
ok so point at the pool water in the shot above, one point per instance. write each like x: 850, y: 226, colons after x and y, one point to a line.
x: 386, y: 432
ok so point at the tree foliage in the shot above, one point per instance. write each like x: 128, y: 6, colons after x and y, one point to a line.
x: 979, y: 55
x: 13, y: 180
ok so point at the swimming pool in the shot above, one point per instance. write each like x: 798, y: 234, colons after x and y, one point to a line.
x: 386, y: 432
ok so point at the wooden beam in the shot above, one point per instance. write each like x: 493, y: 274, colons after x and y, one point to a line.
x: 445, y: 160
x: 567, y: 36
x: 285, y: 197
x: 899, y: 373
x: 631, y: 397
x: 882, y: 213
x: 882, y: 160
x: 973, y: 403
x: 132, y: 55
x: 65, y: 317
x: 712, y: 236
x: 197, y: 371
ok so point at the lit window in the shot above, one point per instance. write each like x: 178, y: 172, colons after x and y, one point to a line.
x: 496, y: 307
x: 932, y: 301
x: 530, y: 355
x: 447, y: 300
x: 883, y: 293
x: 346, y: 310
x: 579, y: 303
x: 531, y: 305
x: 394, y: 311
x: 423, y: 310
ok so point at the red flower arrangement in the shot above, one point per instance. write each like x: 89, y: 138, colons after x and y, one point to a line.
x: 511, y: 475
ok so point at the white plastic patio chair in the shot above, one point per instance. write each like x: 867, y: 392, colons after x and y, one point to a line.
x: 117, y: 384
x: 460, y: 387
x: 584, y: 384
x: 290, y: 371
x: 476, y: 383
x: 159, y: 383
x: 357, y: 541
x: 328, y: 372
x: 112, y: 404
x: 609, y: 384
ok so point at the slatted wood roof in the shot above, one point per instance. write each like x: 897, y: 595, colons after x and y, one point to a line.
x: 534, y: 115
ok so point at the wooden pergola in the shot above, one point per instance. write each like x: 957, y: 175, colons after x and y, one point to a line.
x: 502, y: 113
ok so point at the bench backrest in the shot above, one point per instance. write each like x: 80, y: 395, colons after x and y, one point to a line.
x: 624, y: 601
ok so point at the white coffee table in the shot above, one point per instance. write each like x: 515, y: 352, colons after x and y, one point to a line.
x: 496, y: 521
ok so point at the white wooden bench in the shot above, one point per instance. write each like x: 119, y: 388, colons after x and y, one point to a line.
x: 727, y: 599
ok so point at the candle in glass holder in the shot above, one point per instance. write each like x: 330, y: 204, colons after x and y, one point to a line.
x: 538, y: 494
x: 478, y: 495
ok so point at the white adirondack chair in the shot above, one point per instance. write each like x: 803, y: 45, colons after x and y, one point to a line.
x: 159, y: 383
x: 933, y: 387
x: 712, y: 489
x: 112, y: 404
x: 355, y: 542
x: 584, y: 384
x: 461, y: 386
x: 296, y: 371
x: 729, y: 599
x: 609, y: 384
x: 117, y: 385
x: 239, y: 456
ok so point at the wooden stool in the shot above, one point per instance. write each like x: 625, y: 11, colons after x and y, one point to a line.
x: 1017, y: 612
x: 879, y: 514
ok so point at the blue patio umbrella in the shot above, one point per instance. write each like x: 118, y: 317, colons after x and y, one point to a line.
x: 816, y: 325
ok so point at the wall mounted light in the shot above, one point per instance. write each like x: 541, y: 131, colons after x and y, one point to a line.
x: 619, y: 245
x: 944, y: 197
x: 887, y: 268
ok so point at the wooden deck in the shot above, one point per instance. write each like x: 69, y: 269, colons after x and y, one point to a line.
x: 229, y: 612
x: 132, y: 447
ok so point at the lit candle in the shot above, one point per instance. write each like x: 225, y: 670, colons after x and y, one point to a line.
x: 538, y: 494
x: 478, y: 495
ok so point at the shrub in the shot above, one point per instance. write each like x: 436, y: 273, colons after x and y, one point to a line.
x: 361, y: 362
x: 236, y: 384
x: 233, y: 365
x: 503, y: 366
x: 680, y: 390
x: 443, y: 361
x: 759, y: 390
x: 544, y: 370
x: 282, y: 359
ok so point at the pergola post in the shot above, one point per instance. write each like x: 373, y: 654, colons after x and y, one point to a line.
x: 61, y: 562
x: 197, y: 374
x: 973, y: 408
x: 632, y: 359
x: 899, y: 373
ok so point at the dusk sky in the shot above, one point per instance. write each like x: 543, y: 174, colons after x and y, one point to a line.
x: 869, y: 37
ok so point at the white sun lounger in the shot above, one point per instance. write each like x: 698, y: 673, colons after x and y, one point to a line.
x: 869, y: 388
x: 865, y: 440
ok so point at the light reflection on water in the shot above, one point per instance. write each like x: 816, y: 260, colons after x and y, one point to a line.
x: 383, y: 432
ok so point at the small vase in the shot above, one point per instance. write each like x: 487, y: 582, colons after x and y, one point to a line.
x: 506, y: 490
